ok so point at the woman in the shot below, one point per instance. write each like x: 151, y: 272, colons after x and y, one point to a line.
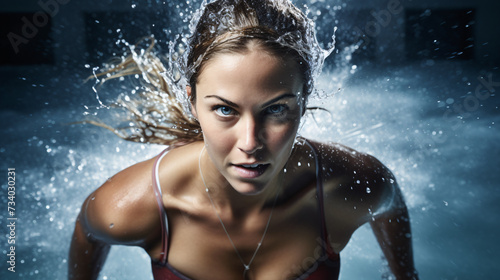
x: 238, y: 195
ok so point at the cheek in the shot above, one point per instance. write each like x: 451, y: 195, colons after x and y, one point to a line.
x: 219, y: 141
x: 281, y: 138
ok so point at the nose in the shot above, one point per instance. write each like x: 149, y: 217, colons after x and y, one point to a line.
x: 249, y: 139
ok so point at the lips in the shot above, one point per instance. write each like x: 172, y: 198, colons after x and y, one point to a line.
x: 250, y: 165
x: 250, y: 171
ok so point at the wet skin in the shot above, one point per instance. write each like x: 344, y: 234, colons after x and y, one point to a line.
x: 249, y: 107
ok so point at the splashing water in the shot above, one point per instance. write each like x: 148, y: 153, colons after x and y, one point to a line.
x: 97, y: 81
x: 178, y: 73
x: 376, y: 111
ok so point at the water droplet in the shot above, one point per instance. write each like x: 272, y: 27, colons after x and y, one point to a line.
x: 111, y: 225
x: 368, y: 190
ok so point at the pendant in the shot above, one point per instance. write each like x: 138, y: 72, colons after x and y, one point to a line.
x: 247, y: 268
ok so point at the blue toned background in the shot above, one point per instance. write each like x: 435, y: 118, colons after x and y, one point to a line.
x: 415, y: 83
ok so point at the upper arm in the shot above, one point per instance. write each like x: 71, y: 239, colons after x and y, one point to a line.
x: 387, y: 194
x: 359, y: 186
x: 123, y: 210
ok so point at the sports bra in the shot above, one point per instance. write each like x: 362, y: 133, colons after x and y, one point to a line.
x: 327, y: 267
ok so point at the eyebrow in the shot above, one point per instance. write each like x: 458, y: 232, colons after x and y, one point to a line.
x: 283, y: 96
x: 224, y: 100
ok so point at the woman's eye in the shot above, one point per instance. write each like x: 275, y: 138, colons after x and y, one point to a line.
x: 224, y: 111
x: 276, y: 109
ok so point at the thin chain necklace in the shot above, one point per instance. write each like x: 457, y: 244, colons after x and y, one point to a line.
x: 246, y: 266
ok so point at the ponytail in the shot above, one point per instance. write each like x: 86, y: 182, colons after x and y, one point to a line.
x: 157, y: 115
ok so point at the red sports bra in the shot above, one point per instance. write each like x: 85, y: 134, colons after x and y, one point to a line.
x: 327, y: 267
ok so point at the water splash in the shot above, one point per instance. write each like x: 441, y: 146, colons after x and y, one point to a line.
x: 94, y: 87
x: 305, y: 43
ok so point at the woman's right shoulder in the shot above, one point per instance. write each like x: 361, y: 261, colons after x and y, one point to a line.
x: 123, y: 210
x: 178, y: 168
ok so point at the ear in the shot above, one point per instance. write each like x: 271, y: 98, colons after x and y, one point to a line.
x: 193, y: 107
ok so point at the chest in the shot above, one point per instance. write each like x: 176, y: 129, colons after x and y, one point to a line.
x: 293, y: 242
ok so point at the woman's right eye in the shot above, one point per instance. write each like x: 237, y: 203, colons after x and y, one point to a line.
x: 224, y: 111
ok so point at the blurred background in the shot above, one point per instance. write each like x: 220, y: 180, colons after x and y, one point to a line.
x: 415, y: 83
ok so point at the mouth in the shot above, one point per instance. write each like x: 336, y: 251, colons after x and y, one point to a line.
x: 250, y: 171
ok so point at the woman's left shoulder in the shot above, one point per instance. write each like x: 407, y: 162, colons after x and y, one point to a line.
x: 356, y: 181
x: 348, y: 160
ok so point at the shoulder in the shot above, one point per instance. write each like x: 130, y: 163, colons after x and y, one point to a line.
x: 123, y: 210
x: 178, y: 168
x: 356, y: 183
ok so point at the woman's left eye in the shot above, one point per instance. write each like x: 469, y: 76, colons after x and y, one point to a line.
x: 276, y: 109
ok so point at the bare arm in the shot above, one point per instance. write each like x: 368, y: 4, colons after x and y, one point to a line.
x: 122, y: 211
x: 87, y: 255
x: 374, y: 195
x: 393, y: 232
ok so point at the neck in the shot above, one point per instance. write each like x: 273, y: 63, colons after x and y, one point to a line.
x: 231, y: 202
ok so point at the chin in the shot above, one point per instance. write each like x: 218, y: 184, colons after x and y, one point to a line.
x: 248, y: 189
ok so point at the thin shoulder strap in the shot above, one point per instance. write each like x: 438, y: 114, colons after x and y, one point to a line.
x: 327, y: 248
x: 161, y: 209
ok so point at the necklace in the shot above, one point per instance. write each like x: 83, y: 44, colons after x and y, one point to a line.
x: 246, y: 266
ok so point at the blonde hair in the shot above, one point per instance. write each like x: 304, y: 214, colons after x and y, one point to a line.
x: 156, y: 116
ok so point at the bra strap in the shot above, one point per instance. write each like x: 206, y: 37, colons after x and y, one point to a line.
x: 327, y: 248
x: 161, y: 209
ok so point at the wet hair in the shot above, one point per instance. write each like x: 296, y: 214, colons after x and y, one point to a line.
x: 229, y: 26
x: 161, y: 115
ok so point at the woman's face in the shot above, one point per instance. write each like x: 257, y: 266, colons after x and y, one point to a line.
x: 249, y: 108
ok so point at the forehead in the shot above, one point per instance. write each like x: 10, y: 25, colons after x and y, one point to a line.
x: 254, y: 72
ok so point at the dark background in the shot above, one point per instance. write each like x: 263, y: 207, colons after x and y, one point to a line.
x: 76, y: 33
x: 419, y: 92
